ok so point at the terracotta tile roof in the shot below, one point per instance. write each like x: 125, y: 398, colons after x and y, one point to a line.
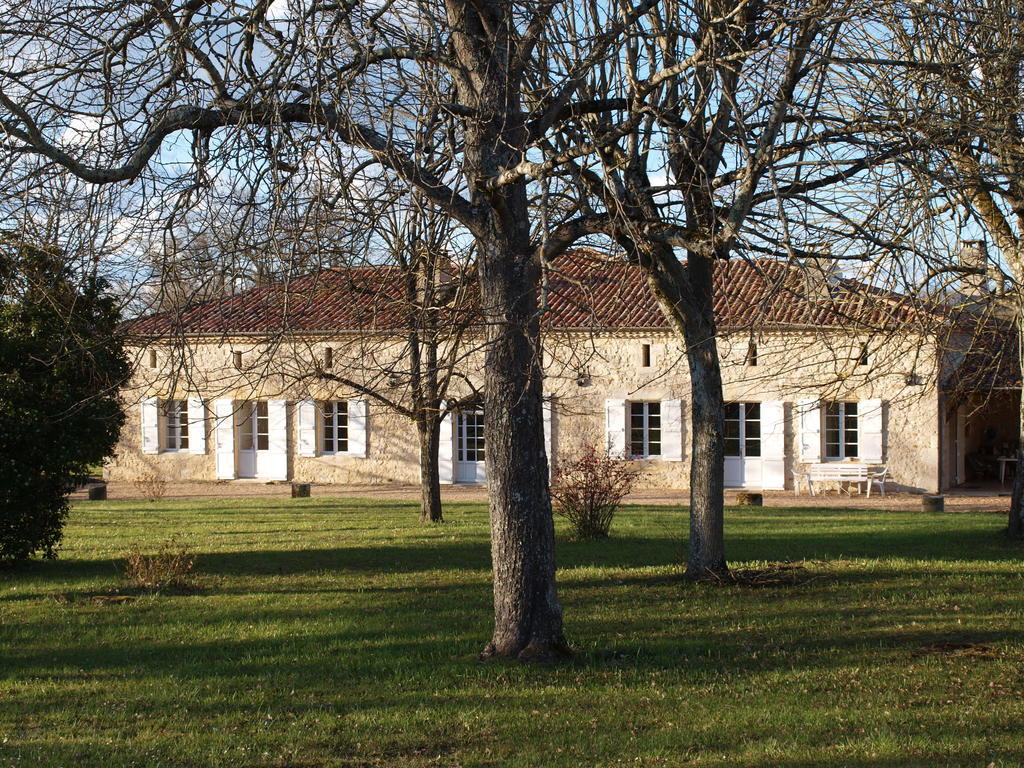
x: 590, y: 290
x: 356, y: 298
x: 586, y: 289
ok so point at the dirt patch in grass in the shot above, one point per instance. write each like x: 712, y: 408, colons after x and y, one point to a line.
x: 783, y: 574
x: 959, y: 648
x: 118, y: 596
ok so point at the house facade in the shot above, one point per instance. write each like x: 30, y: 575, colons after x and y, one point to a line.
x: 301, y: 387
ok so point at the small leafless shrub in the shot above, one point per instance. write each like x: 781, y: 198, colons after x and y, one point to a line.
x: 151, y: 485
x: 587, y: 489
x: 170, y: 567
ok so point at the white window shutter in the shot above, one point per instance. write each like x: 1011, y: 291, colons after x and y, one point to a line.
x: 809, y: 414
x: 672, y: 430
x: 615, y: 428
x: 277, y: 440
x: 773, y: 445
x: 357, y: 427
x: 196, y: 425
x: 150, y: 418
x: 869, y: 425
x: 548, y: 407
x: 305, y: 424
x: 224, y: 438
x: 446, y: 449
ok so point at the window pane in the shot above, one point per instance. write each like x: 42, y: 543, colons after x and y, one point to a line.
x: 753, y: 429
x: 732, y: 429
x: 471, y: 436
x: 341, y: 425
x: 329, y: 428
x: 753, y: 447
x: 732, y: 411
x: 732, y: 446
x: 245, y: 442
x: 833, y: 435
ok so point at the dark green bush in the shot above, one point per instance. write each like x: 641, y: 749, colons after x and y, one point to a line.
x: 61, y: 366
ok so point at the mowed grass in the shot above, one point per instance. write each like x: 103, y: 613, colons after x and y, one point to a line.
x: 344, y: 633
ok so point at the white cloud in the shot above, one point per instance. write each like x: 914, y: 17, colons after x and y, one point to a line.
x: 81, y: 131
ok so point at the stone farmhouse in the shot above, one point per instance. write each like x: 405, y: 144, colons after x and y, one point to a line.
x: 816, y: 368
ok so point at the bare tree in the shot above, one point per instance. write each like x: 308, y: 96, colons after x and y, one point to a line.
x: 948, y: 82
x: 180, y: 96
x: 725, y: 157
x: 422, y: 280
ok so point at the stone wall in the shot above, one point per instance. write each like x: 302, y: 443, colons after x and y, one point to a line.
x: 583, y: 370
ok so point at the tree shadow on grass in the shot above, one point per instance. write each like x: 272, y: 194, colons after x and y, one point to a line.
x: 910, y: 540
x: 360, y: 632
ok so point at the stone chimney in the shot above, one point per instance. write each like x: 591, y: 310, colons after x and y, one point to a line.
x: 983, y: 278
x: 820, y: 275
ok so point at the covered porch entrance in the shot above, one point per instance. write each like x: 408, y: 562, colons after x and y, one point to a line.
x: 981, y: 436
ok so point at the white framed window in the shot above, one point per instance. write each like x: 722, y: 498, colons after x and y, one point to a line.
x: 470, y: 436
x: 176, y: 425
x: 743, y: 430
x: 645, y: 430
x: 842, y: 433
x: 335, y: 422
x: 254, y: 431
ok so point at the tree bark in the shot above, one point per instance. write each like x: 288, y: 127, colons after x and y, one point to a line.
x: 707, y: 461
x: 430, y: 482
x: 686, y: 295
x: 527, y: 614
x: 1015, y: 520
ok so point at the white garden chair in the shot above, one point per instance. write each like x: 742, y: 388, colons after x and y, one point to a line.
x: 878, y: 478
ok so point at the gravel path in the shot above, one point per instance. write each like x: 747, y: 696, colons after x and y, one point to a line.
x: 960, y: 501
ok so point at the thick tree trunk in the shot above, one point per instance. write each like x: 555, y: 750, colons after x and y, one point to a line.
x: 527, y: 614
x: 707, y: 459
x: 686, y: 296
x: 1015, y: 520
x: 430, y: 481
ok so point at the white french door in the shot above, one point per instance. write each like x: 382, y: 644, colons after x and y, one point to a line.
x: 469, y: 455
x: 253, y: 439
x: 743, y: 465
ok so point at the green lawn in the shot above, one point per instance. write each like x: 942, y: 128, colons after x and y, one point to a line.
x: 340, y: 633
